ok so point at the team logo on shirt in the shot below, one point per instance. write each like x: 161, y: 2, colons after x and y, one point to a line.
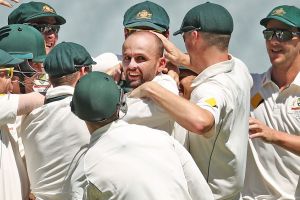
x: 212, y: 102
x: 256, y: 100
x: 296, y: 104
x: 144, y: 14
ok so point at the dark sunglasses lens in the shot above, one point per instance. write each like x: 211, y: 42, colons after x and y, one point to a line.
x: 268, y: 34
x: 284, y: 35
x: 46, y: 28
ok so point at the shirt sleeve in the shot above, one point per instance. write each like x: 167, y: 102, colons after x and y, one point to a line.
x: 211, y: 97
x: 9, y: 107
x: 147, y: 112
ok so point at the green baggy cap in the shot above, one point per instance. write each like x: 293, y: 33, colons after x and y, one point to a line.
x: 65, y: 57
x: 289, y: 15
x: 23, y: 41
x: 33, y: 10
x: 207, y: 17
x: 6, y: 59
x: 96, y: 97
x: 147, y: 14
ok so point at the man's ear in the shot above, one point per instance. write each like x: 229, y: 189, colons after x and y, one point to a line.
x: 126, y: 33
x: 162, y: 64
x: 167, y: 34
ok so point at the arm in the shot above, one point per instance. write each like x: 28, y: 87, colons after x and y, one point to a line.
x: 29, y: 102
x: 5, y: 3
x: 187, y: 114
x: 259, y: 130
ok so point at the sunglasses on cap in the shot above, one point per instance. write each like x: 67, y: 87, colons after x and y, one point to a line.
x: 46, y: 28
x: 281, y: 35
x: 7, y: 72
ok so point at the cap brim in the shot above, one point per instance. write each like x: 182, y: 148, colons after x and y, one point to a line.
x: 145, y: 24
x: 264, y: 21
x: 59, y: 19
x: 178, y: 32
x: 22, y: 56
x: 14, y: 61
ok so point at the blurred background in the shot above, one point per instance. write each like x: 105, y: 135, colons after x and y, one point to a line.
x: 97, y: 24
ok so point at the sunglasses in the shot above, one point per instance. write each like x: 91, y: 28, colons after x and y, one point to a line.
x: 46, y: 28
x: 281, y: 35
x: 7, y: 72
x: 88, y: 68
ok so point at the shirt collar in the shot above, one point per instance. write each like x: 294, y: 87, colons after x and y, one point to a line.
x: 213, y: 70
x: 59, y: 91
x: 101, y: 131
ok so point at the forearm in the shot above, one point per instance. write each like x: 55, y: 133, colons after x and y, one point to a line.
x: 29, y: 102
x: 287, y: 141
x: 187, y: 114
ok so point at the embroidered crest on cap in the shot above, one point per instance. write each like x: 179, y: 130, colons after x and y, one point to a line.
x: 144, y: 14
x: 48, y: 9
x: 279, y: 12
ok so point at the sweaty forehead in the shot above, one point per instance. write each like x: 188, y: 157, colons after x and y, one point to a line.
x: 273, y: 23
x: 140, y: 43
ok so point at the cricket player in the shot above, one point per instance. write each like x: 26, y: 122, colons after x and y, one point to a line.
x: 126, y: 161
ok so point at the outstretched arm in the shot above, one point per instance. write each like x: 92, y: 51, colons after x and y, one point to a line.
x: 189, y: 115
x: 259, y: 130
x: 7, y: 4
x: 29, y: 102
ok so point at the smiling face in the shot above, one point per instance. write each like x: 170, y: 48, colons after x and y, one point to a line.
x: 282, y: 53
x: 50, y: 37
x: 142, y: 58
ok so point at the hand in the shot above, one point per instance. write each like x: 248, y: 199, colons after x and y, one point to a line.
x: 116, y: 72
x: 259, y: 130
x: 5, y: 3
x: 173, y: 53
x: 172, y: 71
x: 185, y: 88
x: 142, y: 90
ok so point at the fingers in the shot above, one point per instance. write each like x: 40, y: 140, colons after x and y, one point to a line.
x: 5, y: 3
x: 169, y: 46
x: 255, y: 135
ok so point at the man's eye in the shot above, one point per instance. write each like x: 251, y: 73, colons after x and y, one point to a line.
x: 140, y: 58
x: 126, y: 58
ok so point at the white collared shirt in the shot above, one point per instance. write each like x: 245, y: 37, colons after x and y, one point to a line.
x: 52, y: 135
x: 223, y: 89
x: 127, y: 161
x: 14, y: 182
x: 275, y: 169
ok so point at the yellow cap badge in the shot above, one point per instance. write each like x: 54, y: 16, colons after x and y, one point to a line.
x: 279, y: 12
x: 47, y: 9
x: 144, y: 14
